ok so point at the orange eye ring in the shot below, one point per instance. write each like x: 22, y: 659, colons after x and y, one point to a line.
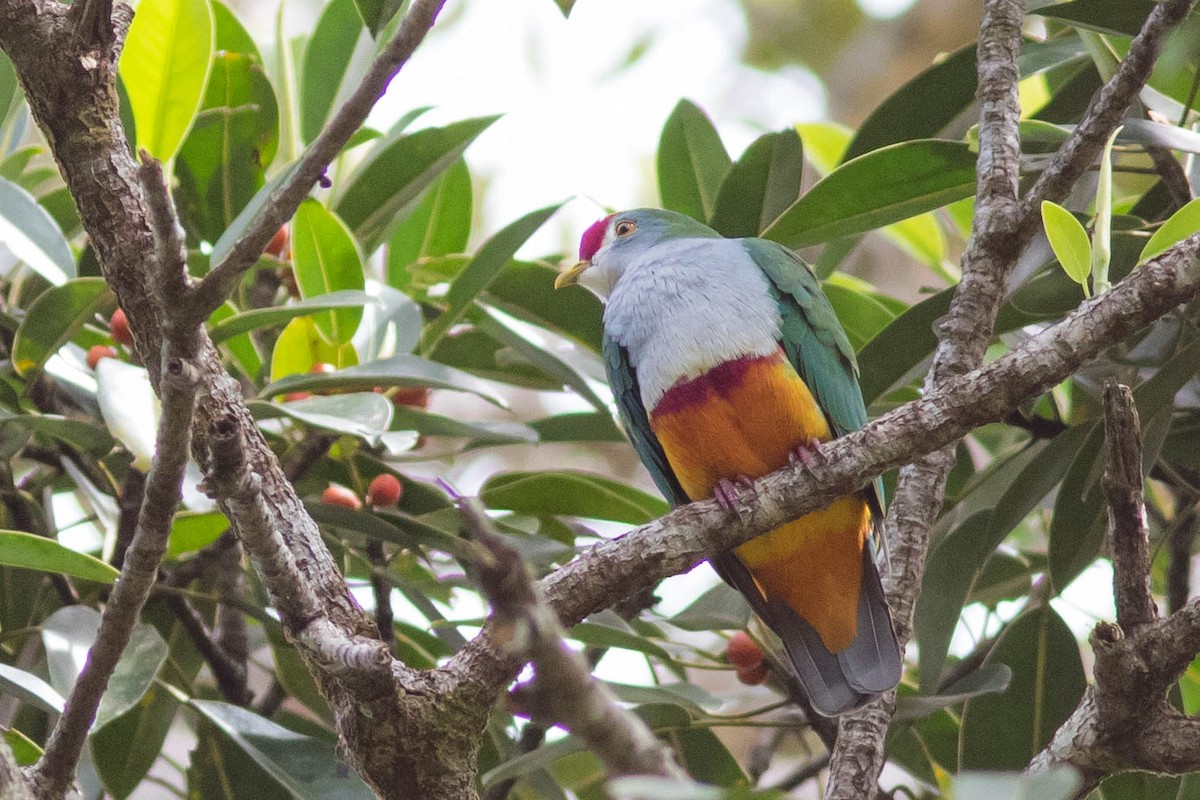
x: 625, y: 227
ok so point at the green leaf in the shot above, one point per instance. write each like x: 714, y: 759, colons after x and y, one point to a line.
x: 256, y: 318
x: 223, y: 160
x: 482, y: 270
x: 300, y: 346
x: 232, y: 36
x: 1004, y: 731
x: 721, y: 608
x: 761, y: 185
x: 88, y: 437
x: 32, y: 235
x: 1182, y: 224
x: 877, y: 189
x: 307, y: 767
x: 377, y: 13
x: 326, y: 260
x: 25, y: 751
x: 54, y: 318
x: 1102, y: 229
x: 27, y: 550
x: 396, y: 173
x: 578, y: 494
x: 901, y: 346
x: 481, y: 434
x: 692, y: 162
x: 29, y: 688
x: 438, y: 226
x: 525, y: 289
x: 165, y: 67
x: 592, y: 426
x: 922, y: 107
x: 192, y: 531
x: 69, y: 633
x: 363, y: 414
x: 1059, y: 782
x: 861, y: 315
x: 565, y: 6
x: 329, y: 68
x: 989, y: 679
x: 1119, y: 17
x: 401, y: 370
x: 1070, y: 243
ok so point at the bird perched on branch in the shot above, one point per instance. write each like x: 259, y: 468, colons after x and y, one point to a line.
x: 727, y: 362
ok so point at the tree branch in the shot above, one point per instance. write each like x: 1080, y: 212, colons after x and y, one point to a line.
x: 1128, y: 534
x: 300, y: 177
x: 54, y: 772
x: 563, y: 691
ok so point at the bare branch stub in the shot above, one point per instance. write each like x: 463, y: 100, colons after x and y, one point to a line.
x: 1129, y: 535
x: 563, y: 691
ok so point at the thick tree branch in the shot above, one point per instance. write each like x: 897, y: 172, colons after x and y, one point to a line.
x: 563, y: 690
x: 1128, y: 534
x: 55, y: 771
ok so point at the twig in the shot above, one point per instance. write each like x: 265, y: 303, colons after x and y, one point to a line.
x: 231, y: 634
x: 229, y: 674
x: 54, y: 772
x: 381, y: 588
x: 1128, y: 534
x: 1181, y: 538
x: 563, y: 690
x: 286, y: 198
x: 133, y: 489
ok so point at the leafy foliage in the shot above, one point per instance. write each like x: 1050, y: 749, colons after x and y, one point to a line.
x: 377, y: 299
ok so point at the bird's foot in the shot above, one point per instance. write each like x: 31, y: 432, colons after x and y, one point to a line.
x: 726, y: 492
x: 807, y: 454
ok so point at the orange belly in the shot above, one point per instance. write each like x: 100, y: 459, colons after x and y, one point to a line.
x: 745, y: 417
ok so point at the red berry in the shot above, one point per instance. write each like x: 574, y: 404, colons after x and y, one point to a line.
x: 118, y: 326
x: 278, y: 242
x: 321, y: 368
x: 752, y: 676
x: 290, y: 396
x: 340, y: 496
x: 742, y: 651
x: 416, y: 396
x: 97, y: 352
x: 384, y: 490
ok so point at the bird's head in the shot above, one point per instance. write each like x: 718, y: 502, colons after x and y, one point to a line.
x: 614, y: 243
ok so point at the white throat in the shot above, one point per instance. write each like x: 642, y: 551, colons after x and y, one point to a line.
x: 687, y: 306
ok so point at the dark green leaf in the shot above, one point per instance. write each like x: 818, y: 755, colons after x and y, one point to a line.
x: 578, y: 494
x: 985, y: 680
x: 223, y: 161
x: 480, y: 433
x: 921, y: 108
x: 232, y: 36
x: 396, y: 173
x: 482, y: 271
x: 692, y: 162
x: 305, y: 766
x: 88, y: 437
x: 377, y: 13
x: 329, y: 65
x: 55, y: 317
x: 720, y: 608
x: 763, y: 183
x: 1120, y: 17
x: 438, y: 226
x: 401, y: 370
x: 1003, y: 731
x: 28, y: 550
x: 877, y: 189
x: 594, y: 426
x: 861, y: 314
x: 256, y: 318
x: 526, y: 290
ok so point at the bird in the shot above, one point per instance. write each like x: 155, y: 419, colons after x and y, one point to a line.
x: 727, y: 362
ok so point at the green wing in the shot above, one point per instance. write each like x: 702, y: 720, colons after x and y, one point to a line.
x: 813, y: 338
x: 622, y: 378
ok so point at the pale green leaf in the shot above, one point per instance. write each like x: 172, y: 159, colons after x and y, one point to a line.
x: 165, y: 66
x: 1182, y: 224
x: 1069, y: 241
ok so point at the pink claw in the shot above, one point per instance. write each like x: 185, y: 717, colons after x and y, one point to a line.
x: 726, y: 492
x: 806, y: 453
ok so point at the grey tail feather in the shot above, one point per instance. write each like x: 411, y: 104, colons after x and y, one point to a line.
x: 837, y: 683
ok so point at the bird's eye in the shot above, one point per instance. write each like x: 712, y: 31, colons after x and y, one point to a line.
x: 625, y: 227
